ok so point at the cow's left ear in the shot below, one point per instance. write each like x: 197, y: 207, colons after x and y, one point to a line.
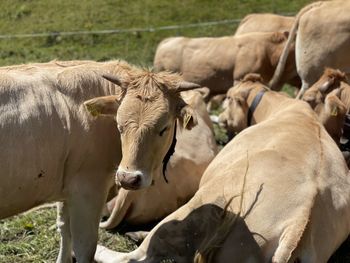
x: 187, y: 117
x: 106, y: 105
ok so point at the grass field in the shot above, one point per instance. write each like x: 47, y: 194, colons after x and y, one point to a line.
x: 38, y: 16
x: 32, y: 237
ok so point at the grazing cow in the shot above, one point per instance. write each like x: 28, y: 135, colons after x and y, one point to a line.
x: 217, y: 62
x: 194, y: 151
x: 54, y: 150
x: 264, y: 23
x: 322, y: 39
x: 330, y: 99
x: 284, y: 179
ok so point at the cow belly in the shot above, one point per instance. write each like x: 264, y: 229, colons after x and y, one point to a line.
x: 31, y: 167
x: 22, y: 189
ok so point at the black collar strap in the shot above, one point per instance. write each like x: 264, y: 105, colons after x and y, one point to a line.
x: 169, y: 153
x: 254, y: 105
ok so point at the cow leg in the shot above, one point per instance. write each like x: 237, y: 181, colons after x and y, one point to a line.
x: 121, y: 206
x: 304, y: 87
x: 64, y: 256
x: 85, y: 209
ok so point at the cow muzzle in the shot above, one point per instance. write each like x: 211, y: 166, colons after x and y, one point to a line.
x: 131, y: 180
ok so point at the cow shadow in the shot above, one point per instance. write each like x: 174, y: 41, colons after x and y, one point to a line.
x: 210, y: 230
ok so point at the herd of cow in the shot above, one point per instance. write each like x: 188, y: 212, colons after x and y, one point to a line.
x: 278, y: 192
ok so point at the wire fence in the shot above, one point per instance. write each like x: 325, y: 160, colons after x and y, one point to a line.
x: 129, y: 30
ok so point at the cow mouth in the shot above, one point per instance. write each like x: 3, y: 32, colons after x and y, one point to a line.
x: 129, y: 181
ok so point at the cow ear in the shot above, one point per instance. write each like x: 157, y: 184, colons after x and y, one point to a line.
x: 334, y: 106
x: 326, y: 85
x: 245, y: 93
x: 204, y: 91
x: 187, y: 117
x: 107, y: 105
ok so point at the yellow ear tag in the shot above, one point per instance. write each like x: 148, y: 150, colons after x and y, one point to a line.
x: 334, y: 111
x: 93, y: 111
x: 187, y: 119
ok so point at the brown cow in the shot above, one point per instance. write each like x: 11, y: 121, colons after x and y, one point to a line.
x: 193, y: 152
x: 322, y: 39
x: 217, y: 62
x: 264, y: 23
x: 290, y: 187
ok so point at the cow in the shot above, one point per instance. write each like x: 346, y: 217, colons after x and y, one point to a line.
x: 264, y: 23
x: 322, y: 39
x: 217, y: 62
x: 193, y: 152
x: 283, y: 179
x: 330, y: 99
x: 53, y: 149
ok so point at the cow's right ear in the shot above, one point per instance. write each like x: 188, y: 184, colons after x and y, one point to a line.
x: 107, y: 105
x: 326, y: 85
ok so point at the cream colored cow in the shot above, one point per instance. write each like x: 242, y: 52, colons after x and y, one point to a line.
x: 330, y: 99
x: 289, y: 185
x: 217, y: 62
x: 264, y: 23
x: 52, y: 149
x: 322, y: 39
x: 193, y: 152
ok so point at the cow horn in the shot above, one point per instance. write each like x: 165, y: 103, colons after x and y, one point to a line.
x: 185, y: 85
x: 112, y: 79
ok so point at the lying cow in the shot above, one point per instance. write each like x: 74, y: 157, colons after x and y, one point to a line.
x: 322, y: 39
x: 330, y: 99
x: 193, y: 152
x: 264, y: 23
x: 288, y: 184
x: 54, y: 150
x: 217, y: 62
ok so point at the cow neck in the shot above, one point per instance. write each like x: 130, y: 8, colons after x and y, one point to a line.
x: 169, y: 153
x: 260, y: 102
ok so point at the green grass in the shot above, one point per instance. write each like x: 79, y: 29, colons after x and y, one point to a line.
x: 36, y: 16
x: 32, y: 237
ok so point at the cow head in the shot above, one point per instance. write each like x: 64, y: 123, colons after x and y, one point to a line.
x: 235, y: 115
x: 146, y: 113
x: 329, y: 81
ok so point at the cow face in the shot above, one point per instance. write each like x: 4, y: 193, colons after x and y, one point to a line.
x: 329, y: 81
x: 234, y: 117
x: 146, y: 116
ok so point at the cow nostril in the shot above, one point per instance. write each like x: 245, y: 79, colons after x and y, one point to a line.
x: 137, y: 179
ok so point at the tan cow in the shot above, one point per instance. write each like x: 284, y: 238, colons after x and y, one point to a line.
x: 52, y: 149
x: 194, y: 151
x: 290, y: 187
x: 264, y: 23
x: 330, y: 99
x: 322, y: 39
x: 217, y: 62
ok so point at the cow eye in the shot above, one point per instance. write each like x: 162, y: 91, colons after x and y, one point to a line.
x: 162, y: 131
x: 239, y: 102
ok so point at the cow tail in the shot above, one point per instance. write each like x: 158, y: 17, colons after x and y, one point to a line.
x: 292, y: 34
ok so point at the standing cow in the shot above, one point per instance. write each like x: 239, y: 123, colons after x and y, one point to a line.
x: 217, y: 62
x: 54, y: 150
x: 264, y: 23
x: 322, y: 39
